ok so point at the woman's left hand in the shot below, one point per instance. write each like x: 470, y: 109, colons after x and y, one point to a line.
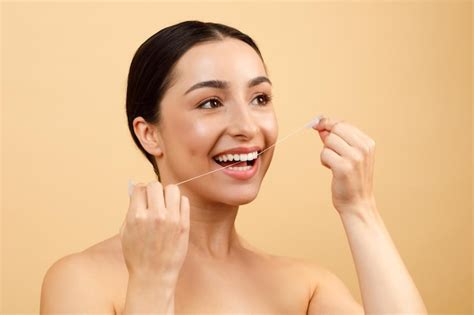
x: 350, y: 154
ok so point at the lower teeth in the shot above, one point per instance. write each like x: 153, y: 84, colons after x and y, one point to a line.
x: 240, y: 168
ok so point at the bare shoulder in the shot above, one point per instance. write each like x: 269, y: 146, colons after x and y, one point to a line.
x: 328, y: 292
x: 309, y: 272
x: 75, y: 283
x: 331, y: 295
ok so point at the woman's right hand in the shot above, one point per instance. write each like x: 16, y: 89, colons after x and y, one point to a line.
x: 155, y: 232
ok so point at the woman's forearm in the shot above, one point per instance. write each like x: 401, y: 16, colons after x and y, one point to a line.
x: 149, y: 296
x: 385, y: 283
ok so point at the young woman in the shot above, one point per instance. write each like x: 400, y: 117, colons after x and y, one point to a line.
x: 199, y: 97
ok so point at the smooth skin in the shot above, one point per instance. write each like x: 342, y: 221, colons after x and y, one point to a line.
x: 178, y: 251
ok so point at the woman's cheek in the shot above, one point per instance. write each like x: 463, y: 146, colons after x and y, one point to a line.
x: 199, y: 137
x: 269, y: 127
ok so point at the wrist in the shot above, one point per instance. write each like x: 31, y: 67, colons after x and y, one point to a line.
x: 166, y: 281
x: 365, y: 212
x: 149, y: 295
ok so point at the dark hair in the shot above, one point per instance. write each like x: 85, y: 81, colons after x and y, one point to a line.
x: 151, y: 70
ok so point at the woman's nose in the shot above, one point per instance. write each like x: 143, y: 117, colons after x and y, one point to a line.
x: 242, y: 122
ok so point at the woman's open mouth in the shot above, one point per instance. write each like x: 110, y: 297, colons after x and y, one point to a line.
x: 240, y: 170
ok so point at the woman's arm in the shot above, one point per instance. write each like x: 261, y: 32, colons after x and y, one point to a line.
x: 385, y: 284
x: 386, y: 287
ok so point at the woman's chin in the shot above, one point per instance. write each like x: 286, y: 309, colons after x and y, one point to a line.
x: 242, y: 201
x: 242, y: 196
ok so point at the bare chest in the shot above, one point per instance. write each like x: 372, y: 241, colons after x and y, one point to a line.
x: 220, y: 291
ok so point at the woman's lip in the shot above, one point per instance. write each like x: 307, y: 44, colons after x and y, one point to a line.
x: 241, y: 175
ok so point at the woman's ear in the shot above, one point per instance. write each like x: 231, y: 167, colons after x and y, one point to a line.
x: 148, y: 135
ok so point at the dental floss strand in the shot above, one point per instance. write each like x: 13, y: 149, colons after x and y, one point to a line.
x: 310, y: 124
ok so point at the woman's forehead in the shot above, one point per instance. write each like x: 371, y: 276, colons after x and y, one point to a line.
x: 230, y: 60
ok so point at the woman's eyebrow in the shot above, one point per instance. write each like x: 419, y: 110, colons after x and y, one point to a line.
x: 219, y: 84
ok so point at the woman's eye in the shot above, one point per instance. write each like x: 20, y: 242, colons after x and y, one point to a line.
x: 264, y: 99
x: 211, y: 101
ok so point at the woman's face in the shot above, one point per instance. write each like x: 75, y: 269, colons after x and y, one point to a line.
x: 199, y: 123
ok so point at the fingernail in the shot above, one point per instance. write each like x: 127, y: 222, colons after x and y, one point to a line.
x: 316, y: 123
x: 313, y: 123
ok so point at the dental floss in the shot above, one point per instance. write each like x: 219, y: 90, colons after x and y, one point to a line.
x: 310, y: 124
x: 314, y: 121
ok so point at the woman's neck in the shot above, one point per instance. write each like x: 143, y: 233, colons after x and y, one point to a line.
x: 212, y: 232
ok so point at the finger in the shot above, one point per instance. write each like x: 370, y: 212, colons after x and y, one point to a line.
x: 172, y: 198
x: 184, y: 212
x: 314, y: 121
x: 330, y: 159
x: 353, y: 135
x: 324, y: 127
x: 155, y: 197
x: 338, y: 145
x: 138, y: 198
x: 325, y: 123
x: 323, y: 134
x: 343, y: 129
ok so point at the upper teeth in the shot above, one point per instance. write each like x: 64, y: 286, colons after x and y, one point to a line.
x: 237, y: 157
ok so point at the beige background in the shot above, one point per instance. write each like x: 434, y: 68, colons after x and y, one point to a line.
x: 400, y: 71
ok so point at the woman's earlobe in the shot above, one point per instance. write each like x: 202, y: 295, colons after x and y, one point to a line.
x: 148, y: 136
x: 159, y: 151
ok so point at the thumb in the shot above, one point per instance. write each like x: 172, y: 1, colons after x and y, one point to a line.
x: 323, y: 134
x: 130, y: 189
